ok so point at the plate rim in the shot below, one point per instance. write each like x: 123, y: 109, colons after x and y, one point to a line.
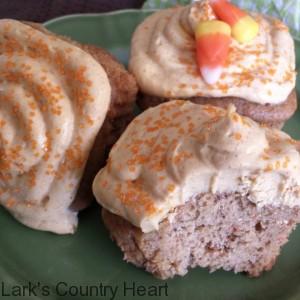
x: 113, y: 13
x: 103, y: 14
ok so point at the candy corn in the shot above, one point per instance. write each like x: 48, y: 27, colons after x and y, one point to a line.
x: 212, y: 42
x: 244, y: 28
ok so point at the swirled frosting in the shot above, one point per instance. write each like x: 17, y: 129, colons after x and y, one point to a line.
x: 53, y: 100
x: 178, y: 150
x: 163, y: 58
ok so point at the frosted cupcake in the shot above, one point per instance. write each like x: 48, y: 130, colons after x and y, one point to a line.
x: 193, y: 185
x: 62, y: 105
x: 257, y: 76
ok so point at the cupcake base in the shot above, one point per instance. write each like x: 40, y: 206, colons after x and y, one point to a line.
x: 211, y: 231
x: 271, y: 115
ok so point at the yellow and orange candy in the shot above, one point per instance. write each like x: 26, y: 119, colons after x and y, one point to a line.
x: 212, y: 44
x: 244, y: 27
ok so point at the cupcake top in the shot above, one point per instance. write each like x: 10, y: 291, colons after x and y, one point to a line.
x: 163, y: 58
x: 178, y: 150
x: 54, y: 98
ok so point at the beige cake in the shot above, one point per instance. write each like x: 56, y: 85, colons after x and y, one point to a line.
x: 193, y: 185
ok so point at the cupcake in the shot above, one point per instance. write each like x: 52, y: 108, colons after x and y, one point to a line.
x: 61, y: 103
x: 192, y: 185
x: 252, y: 64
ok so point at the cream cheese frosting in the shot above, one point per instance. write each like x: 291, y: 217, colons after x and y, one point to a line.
x: 163, y: 58
x: 53, y: 100
x: 177, y: 150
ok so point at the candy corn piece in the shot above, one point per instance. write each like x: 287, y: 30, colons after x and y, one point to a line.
x: 212, y: 43
x: 244, y: 28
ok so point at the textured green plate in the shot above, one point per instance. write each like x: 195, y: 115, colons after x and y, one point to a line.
x: 90, y: 258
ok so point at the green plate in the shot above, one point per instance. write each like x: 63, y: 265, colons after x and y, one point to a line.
x: 90, y: 258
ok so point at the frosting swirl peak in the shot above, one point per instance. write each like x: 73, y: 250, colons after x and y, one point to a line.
x: 230, y: 139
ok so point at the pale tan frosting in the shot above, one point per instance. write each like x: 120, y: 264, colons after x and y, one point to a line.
x: 164, y: 63
x: 53, y: 100
x: 177, y: 150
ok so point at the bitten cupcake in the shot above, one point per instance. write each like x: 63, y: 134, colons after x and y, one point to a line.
x: 211, y: 52
x: 60, y: 104
x: 192, y: 185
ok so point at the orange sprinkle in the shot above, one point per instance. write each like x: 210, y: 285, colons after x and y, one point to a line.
x: 268, y: 168
x: 131, y: 168
x: 104, y: 183
x: 271, y: 72
x: 181, y: 131
x: 10, y: 202
x: 171, y: 188
x: 2, y: 123
x: 152, y: 129
x: 135, y: 197
x: 182, y: 85
x: 32, y: 177
x: 237, y: 136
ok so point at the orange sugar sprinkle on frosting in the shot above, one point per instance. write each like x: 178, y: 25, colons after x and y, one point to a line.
x: 171, y: 188
x: 292, y: 141
x: 235, y: 118
x: 158, y: 166
x: 269, y: 168
x: 177, y: 114
x: 147, y: 121
x: 211, y: 110
x: 237, y: 136
x: 104, y: 183
x: 2, y: 123
x: 11, y: 202
x: 286, y: 162
x: 181, y: 131
x: 271, y: 72
x: 32, y: 178
x: 131, y: 168
x: 135, y: 197
x: 135, y: 149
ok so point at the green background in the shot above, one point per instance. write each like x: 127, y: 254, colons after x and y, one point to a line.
x: 89, y: 257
